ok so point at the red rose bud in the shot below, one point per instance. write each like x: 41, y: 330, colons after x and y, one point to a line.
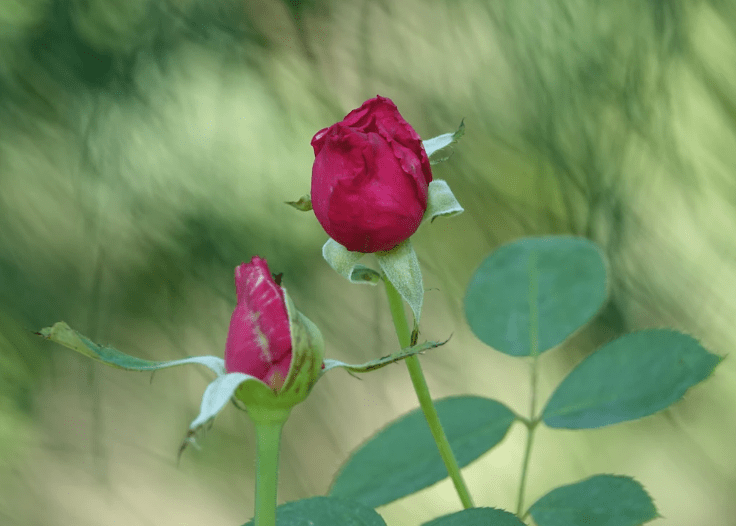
x: 370, y: 178
x: 268, y: 338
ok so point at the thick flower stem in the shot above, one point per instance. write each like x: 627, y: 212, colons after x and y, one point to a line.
x: 425, y: 400
x: 268, y: 439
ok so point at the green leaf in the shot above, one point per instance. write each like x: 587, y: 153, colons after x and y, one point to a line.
x: 631, y: 377
x: 530, y: 295
x: 325, y: 511
x: 603, y: 500
x: 64, y: 335
x: 403, y: 458
x: 477, y: 517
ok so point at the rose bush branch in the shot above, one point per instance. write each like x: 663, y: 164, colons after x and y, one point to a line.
x: 372, y: 187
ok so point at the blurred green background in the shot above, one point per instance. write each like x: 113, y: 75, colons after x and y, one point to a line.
x: 147, y: 147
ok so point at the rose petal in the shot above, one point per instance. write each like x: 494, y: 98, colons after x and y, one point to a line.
x: 259, y: 339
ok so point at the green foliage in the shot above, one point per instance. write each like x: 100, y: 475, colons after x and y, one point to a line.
x: 564, y: 282
x: 403, y: 458
x: 631, y: 377
x: 529, y: 296
x: 325, y: 511
x: 477, y: 517
x: 603, y: 500
x: 548, y: 287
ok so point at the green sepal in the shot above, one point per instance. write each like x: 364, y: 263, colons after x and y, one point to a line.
x: 261, y: 403
x: 345, y: 263
x: 400, y: 266
x: 64, y: 335
x: 433, y: 145
x: 304, y: 204
x: 307, y: 354
x: 441, y: 202
x: 383, y: 361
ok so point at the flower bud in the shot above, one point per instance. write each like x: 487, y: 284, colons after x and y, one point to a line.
x: 370, y: 178
x: 270, y: 340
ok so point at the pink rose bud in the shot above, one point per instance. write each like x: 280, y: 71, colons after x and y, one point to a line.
x: 370, y: 178
x: 268, y: 338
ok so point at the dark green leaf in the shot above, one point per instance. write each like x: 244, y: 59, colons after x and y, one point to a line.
x: 530, y: 295
x: 631, y: 377
x: 325, y: 511
x: 403, y: 458
x: 603, y: 500
x: 477, y: 517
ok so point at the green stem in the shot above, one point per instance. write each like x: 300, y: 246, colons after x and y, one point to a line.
x: 532, y: 425
x: 534, y: 353
x: 425, y: 399
x: 268, y: 439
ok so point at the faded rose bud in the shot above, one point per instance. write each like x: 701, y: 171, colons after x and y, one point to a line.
x: 370, y: 178
x: 269, y: 339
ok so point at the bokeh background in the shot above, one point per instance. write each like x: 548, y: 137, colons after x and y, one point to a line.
x: 147, y: 147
